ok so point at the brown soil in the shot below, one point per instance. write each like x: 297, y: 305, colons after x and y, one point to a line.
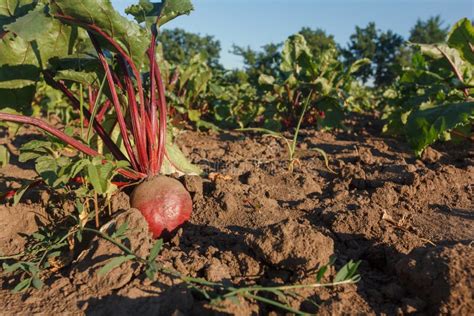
x: 410, y: 222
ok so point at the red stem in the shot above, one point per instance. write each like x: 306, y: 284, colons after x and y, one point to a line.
x: 161, y: 150
x: 65, y: 138
x: 122, y: 53
x: 154, y: 146
x: 140, y: 139
x: 50, y: 129
x: 103, y: 111
x: 97, y: 126
x: 116, y: 103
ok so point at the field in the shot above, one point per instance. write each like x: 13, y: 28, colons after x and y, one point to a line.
x: 409, y: 221
x: 139, y: 176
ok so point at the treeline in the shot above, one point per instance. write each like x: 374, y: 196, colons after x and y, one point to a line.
x: 386, y: 49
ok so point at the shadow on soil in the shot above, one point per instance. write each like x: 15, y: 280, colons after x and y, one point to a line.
x: 177, y: 300
x: 390, y: 282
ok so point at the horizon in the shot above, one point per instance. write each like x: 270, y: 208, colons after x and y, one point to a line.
x: 272, y: 21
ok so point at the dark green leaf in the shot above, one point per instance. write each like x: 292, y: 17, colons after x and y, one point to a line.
x: 19, y: 193
x: 426, y: 125
x: 333, y: 113
x: 129, y: 35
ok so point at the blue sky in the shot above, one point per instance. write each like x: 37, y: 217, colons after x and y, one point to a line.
x: 257, y: 22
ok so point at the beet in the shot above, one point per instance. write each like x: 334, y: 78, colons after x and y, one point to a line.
x: 164, y: 202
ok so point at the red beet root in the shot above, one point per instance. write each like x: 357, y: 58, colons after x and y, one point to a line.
x: 164, y: 202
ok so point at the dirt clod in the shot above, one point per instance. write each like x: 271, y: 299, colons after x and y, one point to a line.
x: 292, y: 245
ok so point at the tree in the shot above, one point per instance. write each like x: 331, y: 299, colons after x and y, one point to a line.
x: 387, y: 57
x: 266, y: 61
x: 429, y: 31
x: 385, y: 49
x: 317, y: 40
x: 179, y: 46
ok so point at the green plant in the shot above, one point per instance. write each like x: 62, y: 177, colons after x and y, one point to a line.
x: 187, y: 87
x: 51, y: 250
x: 302, y: 72
x: 91, y: 46
x: 433, y: 98
x: 216, y: 292
x: 291, y: 144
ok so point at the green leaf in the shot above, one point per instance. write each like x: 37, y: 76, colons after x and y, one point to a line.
x: 427, y: 124
x: 31, y: 25
x: 22, y: 286
x: 4, y: 156
x: 20, y: 192
x: 45, y: 37
x: 176, y: 161
x: 194, y: 115
x: 155, y: 250
x: 94, y: 177
x: 150, y: 274
x: 461, y: 37
x: 296, y: 54
x: 347, y: 272
x: 121, y: 230
x: 37, y: 283
x: 77, y: 167
x: 47, y: 167
x: 129, y: 35
x: 10, y: 10
x: 82, y: 77
x: 163, y: 12
x: 333, y: 113
x: 11, y: 268
x: 266, y: 80
x: 358, y: 64
x: 113, y: 263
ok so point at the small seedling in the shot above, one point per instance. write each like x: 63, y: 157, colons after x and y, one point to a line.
x: 291, y: 144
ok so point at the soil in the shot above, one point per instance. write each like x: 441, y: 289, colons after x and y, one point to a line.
x: 409, y: 221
